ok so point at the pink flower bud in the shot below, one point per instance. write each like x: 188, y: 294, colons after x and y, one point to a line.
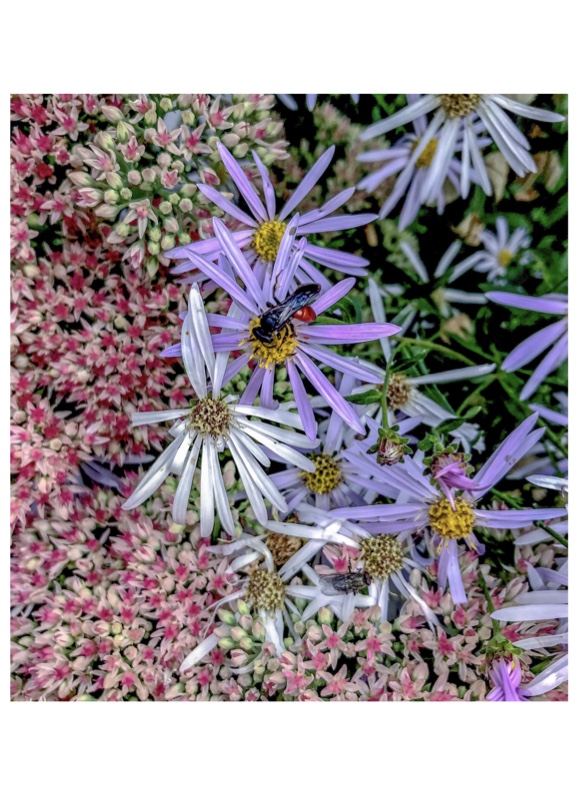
x: 81, y: 179
x: 112, y: 114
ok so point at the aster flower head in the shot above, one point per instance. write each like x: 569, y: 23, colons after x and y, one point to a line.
x: 209, y: 426
x: 385, y: 560
x: 296, y: 342
x: 506, y: 677
x: 556, y: 334
x: 423, y: 505
x: 264, y: 231
x: 454, y: 120
x: 501, y: 250
x: 411, y: 159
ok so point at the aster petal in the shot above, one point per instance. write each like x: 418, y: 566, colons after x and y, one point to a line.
x: 516, y: 518
x: 155, y: 475
x: 547, y: 304
x: 241, y: 181
x: 302, y: 399
x: 466, y: 373
x: 226, y: 205
x: 367, y: 373
x: 409, y: 113
x: 496, y: 465
x: 200, y: 651
x: 182, y: 495
x: 285, y: 452
x: 336, y: 202
x: 257, y: 475
x: 328, y: 391
x: 338, y: 260
x: 530, y: 348
x: 226, y: 282
x: 347, y: 334
x: 308, y: 182
x: 237, y: 259
x: 333, y: 296
x: 154, y: 416
x: 339, y: 223
x: 447, y: 258
x: 220, y: 495
x: 527, y: 111
x: 535, y: 612
x: 555, y: 674
x: 267, y: 186
x: 416, y: 262
x: 549, y: 364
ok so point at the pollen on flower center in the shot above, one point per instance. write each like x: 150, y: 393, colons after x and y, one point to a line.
x: 382, y: 555
x: 265, y: 590
x: 267, y: 239
x: 398, y: 391
x: 505, y: 258
x: 459, y: 105
x: 449, y: 523
x: 425, y: 158
x: 282, y: 345
x: 326, y: 476
x: 210, y: 417
x: 282, y: 546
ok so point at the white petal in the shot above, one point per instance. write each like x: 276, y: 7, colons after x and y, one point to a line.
x: 182, y: 495
x: 199, y: 652
x: 155, y: 475
x: 206, y: 494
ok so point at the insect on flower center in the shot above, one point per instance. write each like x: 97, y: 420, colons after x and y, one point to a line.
x: 382, y: 555
x: 449, y: 523
x: 425, y: 158
x: 459, y: 105
x: 265, y: 590
x: 210, y: 417
x: 505, y: 258
x: 282, y: 547
x: 326, y: 476
x: 398, y: 391
x: 282, y: 345
x: 267, y: 239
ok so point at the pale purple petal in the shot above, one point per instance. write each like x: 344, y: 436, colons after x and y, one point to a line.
x: 308, y: 182
x: 549, y: 364
x: 240, y: 179
x: 267, y: 186
x: 226, y: 205
x: 546, y: 304
x: 339, y: 223
x: 302, y: 399
x: 347, y: 334
x: 409, y: 113
x: 533, y: 346
x: 333, y: 296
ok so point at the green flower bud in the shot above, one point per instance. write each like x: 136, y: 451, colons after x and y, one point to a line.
x: 153, y: 248
x: 122, y: 132
x: 325, y: 616
x: 174, y: 198
x: 188, y: 190
x: 185, y: 205
x: 227, y: 643
x: 154, y: 234
x: 166, y: 104
x: 226, y: 616
x: 126, y: 194
x: 167, y: 242
x: 242, y: 607
x: 246, y: 644
x: 150, y: 117
x: 134, y: 177
x: 238, y: 633
x: 188, y: 118
x: 183, y: 239
x: 165, y: 208
x: 258, y: 631
x: 111, y: 197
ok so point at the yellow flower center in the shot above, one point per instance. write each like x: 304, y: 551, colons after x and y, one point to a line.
x: 326, y: 476
x: 398, y: 391
x: 210, y: 417
x: 449, y: 523
x: 459, y: 105
x: 382, y: 555
x: 282, y: 547
x: 505, y: 258
x: 425, y: 158
x: 267, y: 239
x: 282, y: 345
x: 265, y: 590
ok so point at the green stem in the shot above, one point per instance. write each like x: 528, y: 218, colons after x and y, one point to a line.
x: 384, y: 405
x: 558, y: 537
x: 513, y: 502
x: 480, y: 388
x: 490, y: 605
x: 438, y: 347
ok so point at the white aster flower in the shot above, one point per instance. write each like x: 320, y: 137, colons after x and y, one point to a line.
x: 454, y: 124
x: 209, y: 426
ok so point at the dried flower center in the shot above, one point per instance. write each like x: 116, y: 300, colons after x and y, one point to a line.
x: 398, y: 391
x: 265, y: 590
x: 382, y: 555
x: 210, y: 417
x: 267, y: 239
x: 326, y: 476
x: 459, y: 105
x: 505, y: 258
x: 282, y: 547
x: 282, y: 345
x: 449, y: 523
x: 425, y: 158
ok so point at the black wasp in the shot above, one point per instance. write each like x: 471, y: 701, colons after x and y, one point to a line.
x: 296, y: 305
x: 343, y: 583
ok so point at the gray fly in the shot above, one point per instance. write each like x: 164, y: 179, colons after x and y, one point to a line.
x: 344, y: 583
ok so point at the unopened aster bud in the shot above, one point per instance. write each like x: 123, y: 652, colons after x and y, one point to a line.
x: 81, y: 179
x: 391, y: 451
x: 149, y: 175
x: 107, y: 211
x: 240, y: 151
x: 134, y: 177
x: 104, y: 140
x: 112, y: 113
x: 123, y: 131
x: 114, y: 181
x: 185, y: 205
x: 165, y: 208
x: 167, y: 242
x: 126, y: 194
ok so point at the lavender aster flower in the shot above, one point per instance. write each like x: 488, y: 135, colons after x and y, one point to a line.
x: 556, y: 334
x: 212, y: 424
x: 296, y: 343
x: 500, y: 250
x: 411, y: 157
x: 424, y: 505
x: 266, y: 227
x: 506, y: 679
x: 453, y: 120
x: 311, y: 99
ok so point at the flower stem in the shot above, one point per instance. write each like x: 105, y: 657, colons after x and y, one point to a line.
x: 438, y: 347
x: 564, y: 542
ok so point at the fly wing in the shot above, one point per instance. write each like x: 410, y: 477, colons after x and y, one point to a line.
x: 335, y: 584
